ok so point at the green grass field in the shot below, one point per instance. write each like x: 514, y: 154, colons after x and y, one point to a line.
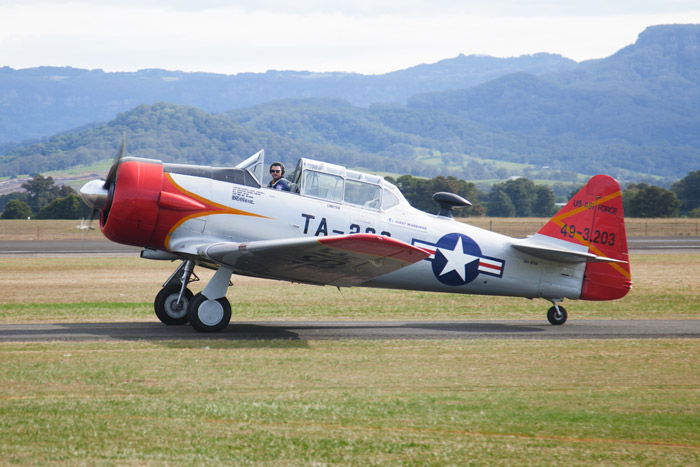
x: 354, y: 402
x: 481, y: 402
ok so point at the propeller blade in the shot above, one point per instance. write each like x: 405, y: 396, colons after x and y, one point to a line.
x: 112, y: 174
x: 92, y: 218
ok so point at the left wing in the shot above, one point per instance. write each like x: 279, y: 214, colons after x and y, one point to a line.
x: 345, y: 260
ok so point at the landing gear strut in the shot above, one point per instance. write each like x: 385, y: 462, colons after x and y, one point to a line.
x: 557, y: 315
x: 172, y: 302
x: 208, y: 311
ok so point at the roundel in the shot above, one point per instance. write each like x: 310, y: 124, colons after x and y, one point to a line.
x: 456, y: 259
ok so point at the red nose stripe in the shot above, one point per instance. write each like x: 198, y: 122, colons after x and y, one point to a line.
x: 179, y: 202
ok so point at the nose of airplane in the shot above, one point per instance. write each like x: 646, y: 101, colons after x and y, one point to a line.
x: 94, y: 194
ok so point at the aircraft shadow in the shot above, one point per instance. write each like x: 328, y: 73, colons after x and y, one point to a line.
x: 298, y: 332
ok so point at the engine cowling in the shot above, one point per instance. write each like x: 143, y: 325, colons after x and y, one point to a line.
x: 132, y: 214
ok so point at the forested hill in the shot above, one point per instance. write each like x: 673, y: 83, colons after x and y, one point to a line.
x: 181, y: 134
x: 382, y: 138
x: 39, y: 102
x: 647, y: 93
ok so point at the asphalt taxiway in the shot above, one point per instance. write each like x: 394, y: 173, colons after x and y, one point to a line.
x: 364, y: 330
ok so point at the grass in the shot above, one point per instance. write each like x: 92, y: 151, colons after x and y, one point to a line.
x: 354, y: 402
x: 84, y: 289
x: 479, y: 402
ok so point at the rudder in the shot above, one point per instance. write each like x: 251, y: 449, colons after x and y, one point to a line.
x: 594, y: 217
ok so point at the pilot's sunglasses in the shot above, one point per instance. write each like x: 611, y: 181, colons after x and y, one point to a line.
x: 275, y: 171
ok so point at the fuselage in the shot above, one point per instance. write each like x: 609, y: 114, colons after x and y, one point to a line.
x: 190, y: 206
x: 330, y: 225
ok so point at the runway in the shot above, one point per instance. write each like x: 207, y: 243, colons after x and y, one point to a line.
x: 363, y: 330
x: 316, y: 330
x: 104, y: 247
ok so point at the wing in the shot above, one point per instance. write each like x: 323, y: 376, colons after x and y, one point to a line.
x: 345, y: 260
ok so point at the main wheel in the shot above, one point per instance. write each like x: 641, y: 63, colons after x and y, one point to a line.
x: 209, y: 315
x: 557, y: 317
x: 167, y: 309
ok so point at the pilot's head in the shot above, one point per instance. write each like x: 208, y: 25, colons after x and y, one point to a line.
x: 276, y: 170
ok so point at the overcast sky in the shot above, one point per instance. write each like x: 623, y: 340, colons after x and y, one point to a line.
x: 364, y: 36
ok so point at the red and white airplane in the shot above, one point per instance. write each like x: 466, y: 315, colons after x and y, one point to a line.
x: 347, y: 228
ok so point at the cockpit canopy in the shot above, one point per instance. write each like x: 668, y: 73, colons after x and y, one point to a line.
x: 334, y: 183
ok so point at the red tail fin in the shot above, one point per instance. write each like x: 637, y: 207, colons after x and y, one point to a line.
x: 594, y: 217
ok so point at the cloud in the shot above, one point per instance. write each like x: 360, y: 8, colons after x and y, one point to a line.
x: 257, y: 36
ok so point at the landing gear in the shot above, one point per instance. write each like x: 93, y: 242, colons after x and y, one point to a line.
x: 207, y: 315
x: 208, y: 311
x: 557, y: 314
x: 170, y: 307
x: 171, y: 303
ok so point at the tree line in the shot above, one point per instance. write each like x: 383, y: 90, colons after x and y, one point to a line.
x: 518, y: 197
x: 43, y: 199
x: 521, y: 197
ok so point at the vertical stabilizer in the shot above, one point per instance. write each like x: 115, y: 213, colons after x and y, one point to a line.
x: 594, y: 217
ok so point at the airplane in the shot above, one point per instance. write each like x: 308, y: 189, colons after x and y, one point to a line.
x: 347, y: 228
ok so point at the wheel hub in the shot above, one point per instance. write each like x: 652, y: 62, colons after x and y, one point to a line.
x: 210, y: 312
x: 174, y: 309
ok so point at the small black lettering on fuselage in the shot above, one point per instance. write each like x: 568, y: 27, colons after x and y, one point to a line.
x: 321, y: 228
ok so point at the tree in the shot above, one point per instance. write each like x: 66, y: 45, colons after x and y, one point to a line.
x: 68, y: 207
x: 17, y: 209
x: 544, y: 201
x: 4, y: 199
x: 500, y: 204
x: 645, y: 200
x: 688, y: 191
x: 526, y: 199
x: 43, y: 190
x: 419, y: 191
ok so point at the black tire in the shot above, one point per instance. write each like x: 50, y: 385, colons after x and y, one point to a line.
x: 209, y: 315
x: 166, y: 307
x: 555, y: 317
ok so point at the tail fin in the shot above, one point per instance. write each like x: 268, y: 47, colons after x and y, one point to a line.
x: 594, y: 217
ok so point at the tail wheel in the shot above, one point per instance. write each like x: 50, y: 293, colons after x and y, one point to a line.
x: 209, y: 315
x: 168, y: 309
x: 557, y: 315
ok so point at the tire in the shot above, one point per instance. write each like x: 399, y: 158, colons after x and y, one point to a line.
x: 209, y: 315
x: 166, y: 308
x: 557, y: 318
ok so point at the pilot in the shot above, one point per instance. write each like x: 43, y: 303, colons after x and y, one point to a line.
x: 278, y: 181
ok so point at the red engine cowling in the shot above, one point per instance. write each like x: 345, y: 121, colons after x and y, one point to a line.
x: 132, y: 213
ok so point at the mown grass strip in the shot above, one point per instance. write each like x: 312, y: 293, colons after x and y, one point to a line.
x: 358, y: 402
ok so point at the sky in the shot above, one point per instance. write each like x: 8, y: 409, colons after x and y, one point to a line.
x: 362, y: 36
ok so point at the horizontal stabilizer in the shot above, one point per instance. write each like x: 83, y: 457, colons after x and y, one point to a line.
x: 553, y: 252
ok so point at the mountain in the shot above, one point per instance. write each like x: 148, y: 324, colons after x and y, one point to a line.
x: 642, y: 102
x: 179, y: 134
x: 634, y: 115
x: 383, y: 138
x: 38, y: 102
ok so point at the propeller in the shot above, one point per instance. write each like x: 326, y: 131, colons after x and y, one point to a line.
x: 112, y: 174
x: 97, y: 193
